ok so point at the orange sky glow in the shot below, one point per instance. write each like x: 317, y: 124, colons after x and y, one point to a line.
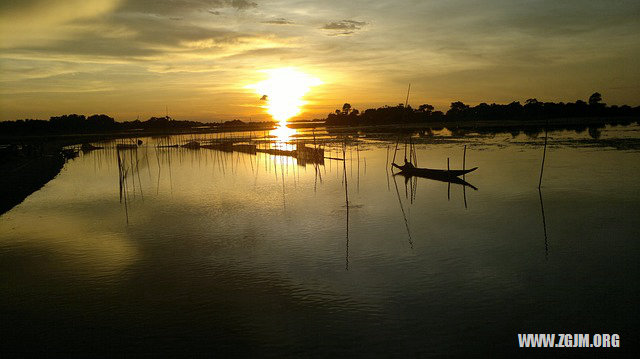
x: 210, y: 60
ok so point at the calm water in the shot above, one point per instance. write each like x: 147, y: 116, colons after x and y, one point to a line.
x: 203, y: 250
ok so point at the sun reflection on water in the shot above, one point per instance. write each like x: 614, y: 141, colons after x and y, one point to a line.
x: 282, y: 133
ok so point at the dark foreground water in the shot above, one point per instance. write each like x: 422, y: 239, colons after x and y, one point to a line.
x: 207, y: 251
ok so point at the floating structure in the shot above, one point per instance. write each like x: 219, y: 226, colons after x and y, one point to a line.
x: 245, y: 148
x: 302, y: 153
x: 305, y: 153
x: 192, y: 145
x: 126, y: 146
x: 225, y: 146
x: 87, y: 147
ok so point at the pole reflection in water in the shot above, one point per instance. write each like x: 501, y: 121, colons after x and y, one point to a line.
x: 128, y: 169
x: 404, y: 215
x: 346, y: 199
x: 544, y: 226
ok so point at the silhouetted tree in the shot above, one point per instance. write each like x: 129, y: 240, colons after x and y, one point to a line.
x: 531, y: 101
x: 533, y: 108
x: 457, y: 110
x: 68, y: 123
x: 595, y: 99
x: 100, y: 122
x: 346, y: 108
x: 426, y: 108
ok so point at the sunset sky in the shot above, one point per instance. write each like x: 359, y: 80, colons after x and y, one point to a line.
x: 130, y: 58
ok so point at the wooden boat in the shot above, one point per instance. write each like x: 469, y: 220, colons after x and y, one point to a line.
x: 409, y: 169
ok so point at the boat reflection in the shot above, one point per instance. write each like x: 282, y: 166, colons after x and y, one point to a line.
x: 435, y: 177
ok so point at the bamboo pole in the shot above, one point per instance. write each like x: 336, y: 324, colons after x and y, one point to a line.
x: 464, y: 157
x: 396, y: 150
x: 406, y: 102
x: 464, y: 187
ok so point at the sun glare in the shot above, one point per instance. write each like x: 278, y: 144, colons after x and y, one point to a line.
x: 283, y: 92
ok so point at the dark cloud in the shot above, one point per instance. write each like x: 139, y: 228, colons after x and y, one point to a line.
x: 539, y: 19
x: 242, y: 4
x: 568, y: 18
x: 503, y: 32
x: 278, y: 21
x: 344, y: 27
x: 141, y: 29
x: 10, y: 5
x: 162, y: 32
x: 93, y: 47
x: 150, y: 36
x: 277, y: 53
x: 172, y: 7
x: 236, y: 4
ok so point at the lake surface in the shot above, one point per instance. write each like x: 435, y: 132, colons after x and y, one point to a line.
x: 172, y: 250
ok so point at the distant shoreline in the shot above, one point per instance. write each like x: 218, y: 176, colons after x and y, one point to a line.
x: 470, y: 124
x: 36, y: 159
x: 67, y: 139
x: 532, y: 111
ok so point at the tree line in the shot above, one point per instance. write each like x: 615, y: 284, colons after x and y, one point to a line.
x: 101, y: 123
x: 458, y: 111
x: 74, y: 123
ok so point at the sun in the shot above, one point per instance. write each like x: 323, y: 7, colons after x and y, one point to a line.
x: 283, y: 91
